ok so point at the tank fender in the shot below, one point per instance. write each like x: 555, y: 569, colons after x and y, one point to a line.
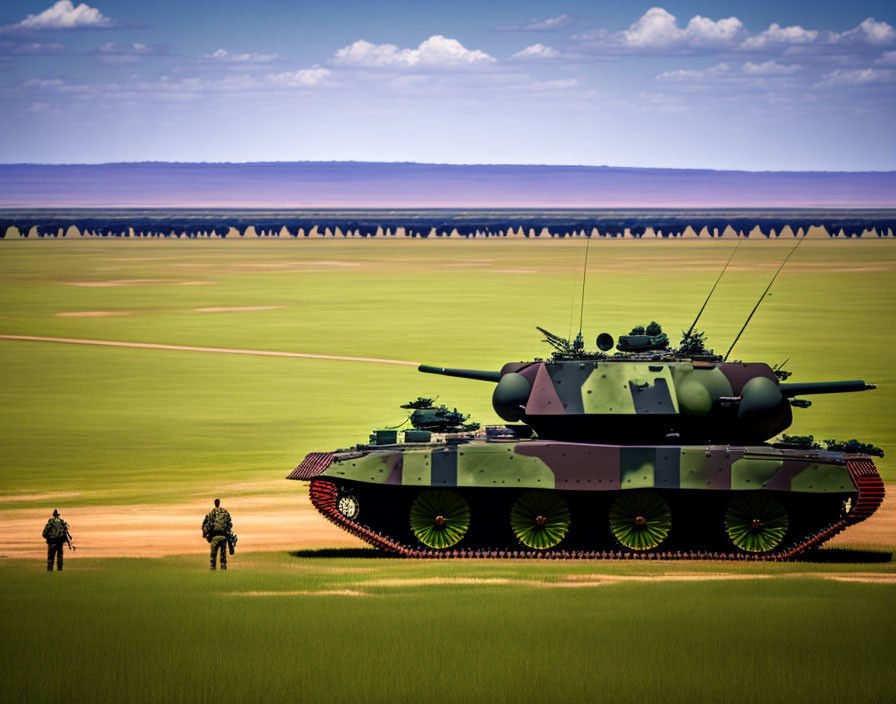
x: 314, y: 464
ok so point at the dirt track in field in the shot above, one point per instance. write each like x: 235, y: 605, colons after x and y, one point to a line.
x: 94, y: 314
x: 187, y: 348
x: 572, y: 581
x: 263, y: 521
x: 232, y: 309
x: 279, y: 521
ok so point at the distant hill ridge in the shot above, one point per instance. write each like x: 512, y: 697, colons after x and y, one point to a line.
x: 417, y: 185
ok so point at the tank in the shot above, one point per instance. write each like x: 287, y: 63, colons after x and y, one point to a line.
x: 640, y: 450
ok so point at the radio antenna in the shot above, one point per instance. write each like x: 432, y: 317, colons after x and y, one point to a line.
x: 762, y: 297
x: 580, y: 341
x: 724, y: 269
x: 572, y: 306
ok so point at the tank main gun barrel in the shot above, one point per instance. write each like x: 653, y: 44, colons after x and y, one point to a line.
x: 462, y: 373
x: 824, y: 387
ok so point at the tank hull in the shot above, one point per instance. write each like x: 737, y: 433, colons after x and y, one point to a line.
x: 373, y: 492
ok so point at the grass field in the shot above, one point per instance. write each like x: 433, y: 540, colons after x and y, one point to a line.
x: 108, y: 426
x: 335, y: 630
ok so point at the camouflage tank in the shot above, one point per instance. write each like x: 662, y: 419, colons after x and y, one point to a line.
x: 648, y: 451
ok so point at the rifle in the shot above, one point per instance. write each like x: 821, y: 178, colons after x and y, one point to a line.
x: 68, y: 540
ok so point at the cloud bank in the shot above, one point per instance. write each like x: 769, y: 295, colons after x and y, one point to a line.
x: 65, y: 15
x: 226, y: 57
x: 437, y: 52
x: 658, y: 31
x: 537, y: 51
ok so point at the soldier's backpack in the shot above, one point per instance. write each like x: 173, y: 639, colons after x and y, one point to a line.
x: 54, y: 530
x: 219, y: 521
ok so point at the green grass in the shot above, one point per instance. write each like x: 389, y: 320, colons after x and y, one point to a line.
x: 164, y: 630
x: 125, y: 425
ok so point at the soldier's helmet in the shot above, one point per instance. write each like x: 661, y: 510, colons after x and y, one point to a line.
x: 55, y: 513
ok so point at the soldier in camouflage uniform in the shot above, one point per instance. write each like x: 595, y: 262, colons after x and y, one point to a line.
x: 215, y: 529
x: 56, y: 534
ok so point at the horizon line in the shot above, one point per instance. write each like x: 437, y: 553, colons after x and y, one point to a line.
x: 454, y: 164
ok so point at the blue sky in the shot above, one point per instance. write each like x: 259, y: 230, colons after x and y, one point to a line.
x: 757, y: 86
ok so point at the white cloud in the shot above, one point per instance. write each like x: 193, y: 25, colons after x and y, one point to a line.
x: 174, y: 88
x: 769, y: 68
x: 119, y: 53
x: 695, y: 75
x: 535, y: 25
x: 888, y: 58
x: 135, y: 49
x: 300, y: 79
x: 235, y: 83
x: 870, y: 32
x: 560, y: 84
x: 249, y: 58
x: 435, y: 52
x: 55, y: 85
x: 187, y: 88
x: 723, y: 70
x: 657, y: 30
x: 704, y: 32
x: 776, y: 36
x: 537, y: 51
x: 65, y: 15
x: 858, y: 77
x: 32, y: 49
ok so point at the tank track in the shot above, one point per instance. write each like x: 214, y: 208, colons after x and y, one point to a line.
x: 324, y: 493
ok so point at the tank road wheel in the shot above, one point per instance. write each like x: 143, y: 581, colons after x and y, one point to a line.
x: 539, y: 519
x: 756, y: 522
x: 640, y: 520
x: 440, y: 518
x: 348, y: 506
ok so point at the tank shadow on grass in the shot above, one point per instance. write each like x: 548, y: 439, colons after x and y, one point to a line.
x: 833, y: 556
x: 366, y: 553
x: 846, y: 556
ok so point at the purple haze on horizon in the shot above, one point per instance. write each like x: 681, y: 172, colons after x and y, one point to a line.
x: 415, y: 185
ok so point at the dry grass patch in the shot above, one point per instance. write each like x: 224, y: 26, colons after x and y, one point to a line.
x: 137, y: 282
x: 94, y: 313
x: 236, y: 308
x: 306, y: 592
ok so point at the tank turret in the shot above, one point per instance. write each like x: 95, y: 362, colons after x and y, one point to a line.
x: 646, y: 393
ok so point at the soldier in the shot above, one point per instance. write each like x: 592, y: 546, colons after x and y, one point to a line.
x: 216, y: 529
x: 56, y: 534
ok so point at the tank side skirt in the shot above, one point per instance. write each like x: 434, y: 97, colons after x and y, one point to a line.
x: 586, y: 467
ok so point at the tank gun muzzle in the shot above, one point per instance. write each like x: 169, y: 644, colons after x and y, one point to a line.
x: 462, y: 373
